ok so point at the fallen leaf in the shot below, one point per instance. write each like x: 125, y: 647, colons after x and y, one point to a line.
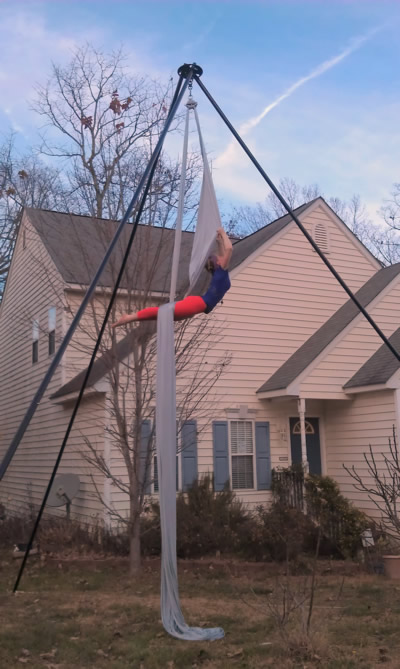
x: 235, y: 653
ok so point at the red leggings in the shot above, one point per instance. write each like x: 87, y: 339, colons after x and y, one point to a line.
x: 191, y: 305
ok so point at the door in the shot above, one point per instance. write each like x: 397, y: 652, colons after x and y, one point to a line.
x: 312, y: 441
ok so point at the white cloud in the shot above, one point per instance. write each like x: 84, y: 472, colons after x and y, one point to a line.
x: 28, y: 46
x: 231, y: 152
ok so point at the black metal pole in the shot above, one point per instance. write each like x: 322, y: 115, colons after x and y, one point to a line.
x: 92, y: 360
x: 296, y: 219
x: 60, y: 352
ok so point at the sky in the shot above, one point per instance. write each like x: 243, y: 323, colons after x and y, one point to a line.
x: 313, y: 87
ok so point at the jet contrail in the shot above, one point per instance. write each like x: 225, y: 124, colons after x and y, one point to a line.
x: 355, y: 44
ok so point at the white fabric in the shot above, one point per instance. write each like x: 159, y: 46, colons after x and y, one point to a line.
x: 179, y: 216
x: 171, y: 613
x: 208, y: 220
x: 207, y: 224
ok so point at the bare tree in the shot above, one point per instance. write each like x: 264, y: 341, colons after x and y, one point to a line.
x: 381, y: 483
x: 102, y: 116
x: 390, y: 210
x: 24, y: 181
x: 103, y: 126
x: 381, y: 240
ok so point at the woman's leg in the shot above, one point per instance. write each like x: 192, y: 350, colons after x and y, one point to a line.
x: 148, y: 314
x: 190, y: 306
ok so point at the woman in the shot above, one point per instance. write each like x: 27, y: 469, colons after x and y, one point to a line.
x: 195, y: 304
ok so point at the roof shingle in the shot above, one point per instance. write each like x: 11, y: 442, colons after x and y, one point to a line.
x: 379, y: 368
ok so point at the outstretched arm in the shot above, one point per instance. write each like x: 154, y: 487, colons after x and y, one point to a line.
x: 224, y: 248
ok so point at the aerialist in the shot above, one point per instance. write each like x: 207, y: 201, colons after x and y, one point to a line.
x: 217, y: 265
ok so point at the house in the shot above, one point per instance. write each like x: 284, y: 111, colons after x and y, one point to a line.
x: 308, y: 376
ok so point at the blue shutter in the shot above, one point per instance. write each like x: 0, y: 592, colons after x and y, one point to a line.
x: 189, y: 454
x: 221, y: 454
x: 145, y: 457
x: 263, y: 457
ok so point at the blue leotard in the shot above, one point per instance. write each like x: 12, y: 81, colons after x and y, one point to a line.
x: 220, y: 284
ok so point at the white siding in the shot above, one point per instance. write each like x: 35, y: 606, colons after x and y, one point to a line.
x: 33, y: 286
x: 350, y: 427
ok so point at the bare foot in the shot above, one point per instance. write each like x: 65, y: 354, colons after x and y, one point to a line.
x: 126, y: 318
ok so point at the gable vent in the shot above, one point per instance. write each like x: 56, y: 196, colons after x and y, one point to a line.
x: 321, y: 237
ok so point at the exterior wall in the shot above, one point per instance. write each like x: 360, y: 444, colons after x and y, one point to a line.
x: 353, y: 349
x: 276, y: 302
x: 33, y: 286
x: 350, y: 427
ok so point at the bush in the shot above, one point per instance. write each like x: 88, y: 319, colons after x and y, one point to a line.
x: 284, y: 533
x: 207, y: 522
x: 341, y: 523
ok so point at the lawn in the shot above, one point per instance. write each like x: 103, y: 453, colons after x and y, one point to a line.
x: 88, y: 613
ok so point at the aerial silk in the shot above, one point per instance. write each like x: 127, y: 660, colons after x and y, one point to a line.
x: 207, y: 224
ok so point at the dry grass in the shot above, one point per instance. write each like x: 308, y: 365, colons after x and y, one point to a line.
x: 86, y: 613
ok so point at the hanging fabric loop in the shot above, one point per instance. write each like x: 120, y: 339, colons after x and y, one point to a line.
x: 207, y: 223
x: 179, y: 217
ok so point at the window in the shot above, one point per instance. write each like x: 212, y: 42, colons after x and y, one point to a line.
x: 35, y: 341
x: 52, y: 330
x: 242, y: 454
x: 297, y: 428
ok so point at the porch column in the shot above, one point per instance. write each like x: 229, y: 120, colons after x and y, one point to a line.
x: 301, y: 407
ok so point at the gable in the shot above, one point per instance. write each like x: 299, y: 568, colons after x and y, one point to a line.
x: 29, y: 251
x: 325, y: 335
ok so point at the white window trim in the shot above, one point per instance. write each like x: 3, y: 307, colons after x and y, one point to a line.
x: 253, y: 424
x: 51, y: 309
x: 35, y: 329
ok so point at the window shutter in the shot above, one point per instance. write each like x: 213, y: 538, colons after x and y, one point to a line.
x: 221, y: 454
x: 189, y: 454
x: 145, y: 458
x: 263, y: 457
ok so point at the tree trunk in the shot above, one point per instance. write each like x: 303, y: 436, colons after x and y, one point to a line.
x: 134, y: 543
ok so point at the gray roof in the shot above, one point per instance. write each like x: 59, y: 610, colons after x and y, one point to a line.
x: 77, y: 245
x: 298, y: 362
x: 379, y: 368
x: 103, y: 364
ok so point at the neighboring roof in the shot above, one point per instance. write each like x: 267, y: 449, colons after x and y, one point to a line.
x: 379, y: 368
x: 305, y: 355
x: 103, y: 364
x: 77, y: 245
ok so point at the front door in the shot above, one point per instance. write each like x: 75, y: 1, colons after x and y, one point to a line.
x: 312, y: 441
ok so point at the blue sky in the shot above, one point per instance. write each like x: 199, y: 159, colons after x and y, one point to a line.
x: 325, y: 74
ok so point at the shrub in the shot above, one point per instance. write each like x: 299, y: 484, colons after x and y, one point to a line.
x: 341, y: 523
x: 207, y: 522
x: 286, y: 532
